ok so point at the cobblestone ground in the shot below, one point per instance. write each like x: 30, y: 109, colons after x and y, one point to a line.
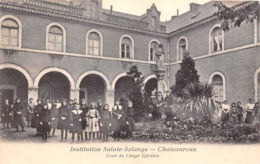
x: 30, y: 136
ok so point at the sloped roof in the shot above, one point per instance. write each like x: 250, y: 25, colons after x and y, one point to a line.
x: 204, y: 11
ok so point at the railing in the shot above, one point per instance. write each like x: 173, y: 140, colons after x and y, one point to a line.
x: 126, y: 21
x: 48, y: 6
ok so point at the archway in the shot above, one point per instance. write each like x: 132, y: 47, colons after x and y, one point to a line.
x: 92, y: 88
x: 54, y: 85
x: 13, y: 84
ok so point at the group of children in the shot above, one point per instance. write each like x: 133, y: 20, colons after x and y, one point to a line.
x: 235, y: 114
x: 95, y: 120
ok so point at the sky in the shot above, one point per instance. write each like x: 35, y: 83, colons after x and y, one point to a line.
x: 167, y: 8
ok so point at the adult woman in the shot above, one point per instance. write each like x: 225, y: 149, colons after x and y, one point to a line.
x: 18, y: 114
x: 63, y: 119
x: 118, y: 121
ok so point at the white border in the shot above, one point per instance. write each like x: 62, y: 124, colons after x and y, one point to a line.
x: 19, y: 29
x: 177, y: 46
x: 101, y: 41
x: 63, y: 35
x: 54, y: 69
x: 93, y: 72
x: 210, y: 38
x: 224, y: 82
x: 133, y: 46
x: 20, y: 69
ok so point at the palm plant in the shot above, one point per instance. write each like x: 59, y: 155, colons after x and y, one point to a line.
x: 198, y: 99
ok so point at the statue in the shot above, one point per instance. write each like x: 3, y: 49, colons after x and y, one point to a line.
x: 159, y: 57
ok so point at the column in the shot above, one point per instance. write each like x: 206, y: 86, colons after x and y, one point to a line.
x: 110, y: 97
x: 74, y: 94
x: 33, y: 93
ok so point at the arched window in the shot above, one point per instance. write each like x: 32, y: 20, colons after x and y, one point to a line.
x: 10, y: 33
x: 153, y: 46
x: 217, y: 40
x: 182, y: 48
x: 126, y: 48
x: 93, y: 44
x: 55, y: 38
x: 218, y: 84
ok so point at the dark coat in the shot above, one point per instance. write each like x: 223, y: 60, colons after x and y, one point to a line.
x: 76, y: 118
x: 130, y: 112
x: 63, y: 118
x: 29, y: 113
x: 6, y: 113
x: 118, y: 123
x: 152, y: 103
x: 84, y: 108
x: 54, y: 117
x: 18, y: 114
x: 36, y: 116
x: 105, y: 120
x: 45, y: 119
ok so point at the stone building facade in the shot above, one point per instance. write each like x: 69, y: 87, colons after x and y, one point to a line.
x: 79, y: 50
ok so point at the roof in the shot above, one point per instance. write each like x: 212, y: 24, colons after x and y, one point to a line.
x: 204, y: 11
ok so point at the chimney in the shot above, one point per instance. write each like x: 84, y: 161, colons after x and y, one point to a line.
x: 177, y: 12
x: 194, y: 7
x: 111, y: 9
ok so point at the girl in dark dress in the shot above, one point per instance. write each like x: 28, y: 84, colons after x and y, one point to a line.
x: 63, y: 119
x: 240, y: 112
x: 233, y: 114
x: 118, y: 121
x: 45, y: 121
x: 130, y: 112
x: 105, y: 122
x: 18, y: 114
x: 75, y: 122
x: 30, y: 109
x: 54, y: 118
x: 36, y: 116
x: 6, y: 114
x: 84, y: 108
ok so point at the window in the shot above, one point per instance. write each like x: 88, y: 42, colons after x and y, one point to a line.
x: 217, y: 82
x: 216, y: 40
x: 126, y: 48
x: 152, y: 50
x: 55, y: 39
x: 10, y: 33
x: 182, y: 48
x: 93, y: 44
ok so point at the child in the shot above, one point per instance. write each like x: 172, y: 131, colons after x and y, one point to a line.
x: 160, y: 106
x: 99, y: 108
x: 84, y: 108
x: 168, y: 105
x: 63, y: 119
x: 92, y: 117
x: 45, y: 121
x: 240, y: 112
x: 105, y: 122
x: 7, y: 114
x: 130, y: 118
x: 75, y: 122
x: 18, y: 114
x: 49, y: 103
x: 249, y: 115
x: 225, y: 112
x: 233, y: 113
x: 54, y: 118
x: 36, y: 116
x: 118, y: 119
x: 30, y: 109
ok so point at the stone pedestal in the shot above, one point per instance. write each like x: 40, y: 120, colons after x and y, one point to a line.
x: 110, y: 97
x: 160, y: 75
x: 74, y: 94
x: 33, y: 93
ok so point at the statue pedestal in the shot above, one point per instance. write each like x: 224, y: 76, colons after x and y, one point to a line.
x: 160, y: 85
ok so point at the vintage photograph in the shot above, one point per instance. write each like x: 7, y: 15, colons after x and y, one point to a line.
x: 93, y: 72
